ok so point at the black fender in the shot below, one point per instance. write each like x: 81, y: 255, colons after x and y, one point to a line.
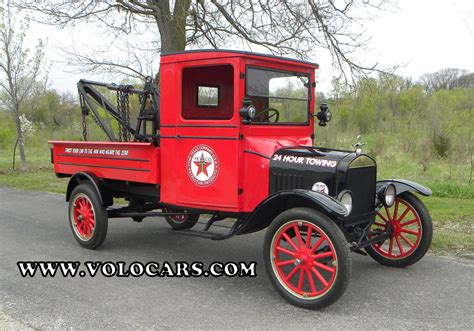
x: 280, y: 201
x: 83, y: 177
x: 403, y: 185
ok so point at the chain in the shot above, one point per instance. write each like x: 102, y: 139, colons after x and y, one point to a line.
x: 127, y: 115
x: 123, y: 107
x: 84, y: 126
x: 84, y: 112
x: 120, y: 111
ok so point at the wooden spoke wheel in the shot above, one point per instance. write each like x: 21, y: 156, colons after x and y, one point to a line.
x: 307, y: 258
x: 410, y: 228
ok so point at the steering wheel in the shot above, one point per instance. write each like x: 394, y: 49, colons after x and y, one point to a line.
x: 267, y: 114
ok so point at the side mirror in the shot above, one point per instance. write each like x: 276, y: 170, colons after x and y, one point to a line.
x: 248, y: 111
x: 324, y: 115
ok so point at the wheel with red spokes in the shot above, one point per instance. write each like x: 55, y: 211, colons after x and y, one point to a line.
x: 180, y: 222
x: 87, y: 217
x: 307, y: 258
x: 410, y: 230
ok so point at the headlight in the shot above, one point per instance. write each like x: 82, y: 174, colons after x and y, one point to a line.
x: 248, y: 111
x: 328, y: 116
x: 320, y: 187
x: 345, y: 197
x: 251, y: 111
x: 389, y: 195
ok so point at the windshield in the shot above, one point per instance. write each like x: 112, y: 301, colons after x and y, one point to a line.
x: 279, y: 97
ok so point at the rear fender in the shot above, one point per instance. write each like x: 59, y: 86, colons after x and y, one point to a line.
x: 403, y: 185
x: 277, y: 203
x: 86, y: 177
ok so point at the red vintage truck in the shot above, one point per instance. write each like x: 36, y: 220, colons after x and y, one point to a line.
x: 230, y: 134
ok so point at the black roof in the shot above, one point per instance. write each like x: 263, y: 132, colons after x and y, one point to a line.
x: 239, y: 52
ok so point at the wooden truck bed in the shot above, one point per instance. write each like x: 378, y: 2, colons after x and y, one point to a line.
x: 129, y: 161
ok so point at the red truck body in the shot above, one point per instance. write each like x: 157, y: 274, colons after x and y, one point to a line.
x: 237, y: 149
x: 233, y: 138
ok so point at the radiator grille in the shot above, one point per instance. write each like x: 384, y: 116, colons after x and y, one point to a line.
x: 361, y: 181
x: 285, y: 181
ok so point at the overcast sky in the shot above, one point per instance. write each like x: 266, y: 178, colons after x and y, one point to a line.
x: 423, y: 35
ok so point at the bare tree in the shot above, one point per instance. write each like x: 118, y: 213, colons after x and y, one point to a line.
x: 466, y: 81
x: 445, y: 79
x: 19, y: 71
x: 283, y: 27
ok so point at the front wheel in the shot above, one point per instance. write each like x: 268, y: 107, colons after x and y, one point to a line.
x: 410, y: 227
x: 307, y: 258
x: 87, y: 217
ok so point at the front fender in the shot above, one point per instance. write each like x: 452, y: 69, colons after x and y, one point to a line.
x: 403, y: 185
x: 275, y: 204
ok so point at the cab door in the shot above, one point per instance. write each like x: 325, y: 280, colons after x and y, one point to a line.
x: 207, y: 139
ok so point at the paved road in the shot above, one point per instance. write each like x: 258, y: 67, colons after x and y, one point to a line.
x: 435, y: 293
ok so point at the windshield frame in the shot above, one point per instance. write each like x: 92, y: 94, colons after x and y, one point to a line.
x: 308, y: 101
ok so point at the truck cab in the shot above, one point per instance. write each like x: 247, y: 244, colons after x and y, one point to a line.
x: 215, y: 157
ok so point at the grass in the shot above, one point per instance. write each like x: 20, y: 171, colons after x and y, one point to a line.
x: 35, y: 180
x: 453, y: 221
x: 451, y: 207
x: 39, y: 176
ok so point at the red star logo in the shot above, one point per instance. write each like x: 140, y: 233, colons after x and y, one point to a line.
x: 202, y: 165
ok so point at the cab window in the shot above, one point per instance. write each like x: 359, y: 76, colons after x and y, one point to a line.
x: 279, y: 96
x: 208, y: 93
x: 208, y: 96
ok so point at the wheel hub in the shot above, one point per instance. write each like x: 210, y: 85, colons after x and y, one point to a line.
x: 396, y: 229
x: 304, y: 258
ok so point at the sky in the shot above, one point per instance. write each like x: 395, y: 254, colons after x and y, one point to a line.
x: 421, y: 36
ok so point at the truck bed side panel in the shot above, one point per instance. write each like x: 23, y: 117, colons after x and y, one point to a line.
x: 128, y: 161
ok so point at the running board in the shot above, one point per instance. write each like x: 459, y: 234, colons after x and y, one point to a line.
x: 125, y: 212
x: 204, y: 233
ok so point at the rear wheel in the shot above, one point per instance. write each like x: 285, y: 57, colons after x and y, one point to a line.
x: 87, y: 217
x: 180, y: 222
x: 307, y: 258
x: 410, y: 227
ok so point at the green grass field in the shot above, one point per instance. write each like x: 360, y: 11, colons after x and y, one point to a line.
x: 451, y: 207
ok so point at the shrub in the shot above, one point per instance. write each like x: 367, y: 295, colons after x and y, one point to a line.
x: 442, y: 144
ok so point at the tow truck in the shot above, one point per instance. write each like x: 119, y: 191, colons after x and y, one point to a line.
x: 230, y: 135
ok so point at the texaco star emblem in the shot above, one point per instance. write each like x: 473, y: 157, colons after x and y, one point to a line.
x: 202, y: 165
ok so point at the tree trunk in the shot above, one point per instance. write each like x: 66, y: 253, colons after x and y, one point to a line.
x: 21, y: 145
x: 470, y: 148
x: 21, y: 142
x: 472, y: 157
x: 172, y: 37
x: 172, y: 28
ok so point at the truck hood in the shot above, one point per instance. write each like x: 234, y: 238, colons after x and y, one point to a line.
x: 267, y: 147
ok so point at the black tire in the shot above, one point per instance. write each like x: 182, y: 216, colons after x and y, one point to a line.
x: 340, y: 261
x: 181, y: 222
x: 425, y: 225
x: 85, y: 193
